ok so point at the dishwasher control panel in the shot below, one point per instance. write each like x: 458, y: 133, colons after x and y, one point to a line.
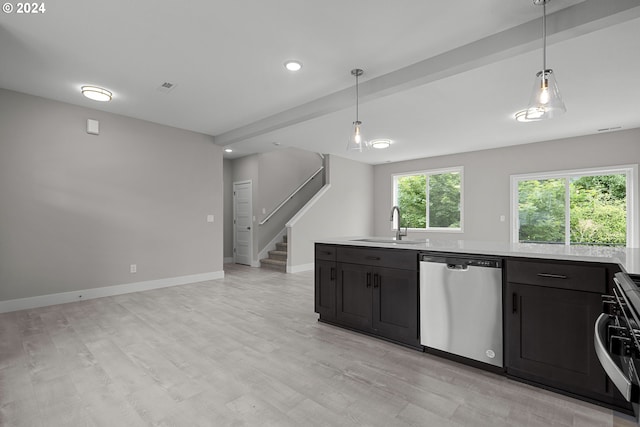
x: 460, y: 263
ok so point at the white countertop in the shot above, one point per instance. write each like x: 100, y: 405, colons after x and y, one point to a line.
x: 628, y: 258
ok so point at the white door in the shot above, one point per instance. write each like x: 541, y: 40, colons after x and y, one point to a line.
x: 242, y: 222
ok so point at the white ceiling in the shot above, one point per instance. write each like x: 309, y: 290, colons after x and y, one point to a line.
x: 440, y: 77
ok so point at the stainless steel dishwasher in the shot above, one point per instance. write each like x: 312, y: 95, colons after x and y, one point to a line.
x: 461, y: 306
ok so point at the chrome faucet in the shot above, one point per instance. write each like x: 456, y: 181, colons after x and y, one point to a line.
x: 399, y: 233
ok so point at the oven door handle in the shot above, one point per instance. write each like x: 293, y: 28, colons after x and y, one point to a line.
x: 615, y: 374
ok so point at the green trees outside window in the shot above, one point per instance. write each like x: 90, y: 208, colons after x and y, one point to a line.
x: 596, y: 207
x: 430, y: 200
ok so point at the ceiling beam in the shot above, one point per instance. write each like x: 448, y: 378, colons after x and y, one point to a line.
x: 574, y: 21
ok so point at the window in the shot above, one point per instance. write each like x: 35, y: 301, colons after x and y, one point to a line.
x: 430, y: 200
x: 582, y: 207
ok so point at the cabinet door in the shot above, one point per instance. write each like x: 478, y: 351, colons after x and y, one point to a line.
x: 395, y: 305
x: 325, y: 289
x: 354, y: 289
x: 550, y: 337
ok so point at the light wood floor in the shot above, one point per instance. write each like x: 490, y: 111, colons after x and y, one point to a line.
x: 244, y: 350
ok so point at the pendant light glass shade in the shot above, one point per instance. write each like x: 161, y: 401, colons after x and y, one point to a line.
x: 545, y: 101
x: 356, y: 140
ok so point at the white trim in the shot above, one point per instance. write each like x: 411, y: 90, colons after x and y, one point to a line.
x: 300, y: 268
x: 106, y: 291
x: 633, y: 214
x: 429, y: 172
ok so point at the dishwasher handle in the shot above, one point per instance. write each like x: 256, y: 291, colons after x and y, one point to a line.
x: 457, y: 267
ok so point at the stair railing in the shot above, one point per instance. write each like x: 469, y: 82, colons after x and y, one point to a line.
x: 284, y: 202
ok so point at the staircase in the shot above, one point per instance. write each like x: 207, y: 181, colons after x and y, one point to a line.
x: 277, y: 259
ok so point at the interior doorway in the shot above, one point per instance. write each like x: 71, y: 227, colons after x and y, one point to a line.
x: 242, y: 223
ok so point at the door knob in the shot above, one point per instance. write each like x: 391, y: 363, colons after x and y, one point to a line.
x: 248, y: 228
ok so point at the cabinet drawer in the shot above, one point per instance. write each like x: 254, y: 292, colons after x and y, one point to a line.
x: 326, y: 252
x: 589, y: 278
x: 393, y: 258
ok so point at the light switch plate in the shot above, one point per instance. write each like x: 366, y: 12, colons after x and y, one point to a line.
x: 209, y: 218
x: 93, y: 127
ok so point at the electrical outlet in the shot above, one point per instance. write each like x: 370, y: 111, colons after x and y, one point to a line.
x: 502, y: 218
x: 133, y: 268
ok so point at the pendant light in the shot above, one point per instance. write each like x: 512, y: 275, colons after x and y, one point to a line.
x: 545, y: 102
x: 356, y: 140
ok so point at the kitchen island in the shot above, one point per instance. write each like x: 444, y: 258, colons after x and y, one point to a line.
x: 551, y: 299
x: 627, y: 258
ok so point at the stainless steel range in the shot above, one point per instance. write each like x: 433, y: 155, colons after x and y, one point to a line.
x: 617, y: 337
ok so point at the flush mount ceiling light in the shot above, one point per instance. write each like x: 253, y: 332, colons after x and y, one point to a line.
x: 380, y: 144
x: 96, y: 93
x: 228, y: 150
x: 545, y: 102
x: 534, y: 116
x: 356, y: 141
x: 292, y: 65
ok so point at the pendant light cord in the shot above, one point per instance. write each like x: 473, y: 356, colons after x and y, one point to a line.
x: 357, y: 99
x: 544, y: 38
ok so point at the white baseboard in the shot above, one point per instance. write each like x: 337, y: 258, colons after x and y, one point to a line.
x: 65, y: 297
x: 300, y: 268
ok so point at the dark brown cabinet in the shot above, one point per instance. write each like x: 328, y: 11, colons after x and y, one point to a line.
x: 376, y: 292
x: 550, y: 312
x: 354, y: 294
x: 325, y: 281
x: 395, y: 305
x: 550, y: 337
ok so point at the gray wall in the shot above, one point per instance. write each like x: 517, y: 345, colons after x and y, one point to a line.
x: 487, y: 178
x: 246, y: 169
x: 344, y: 209
x: 227, y: 180
x: 274, y: 175
x: 281, y: 172
x: 78, y: 209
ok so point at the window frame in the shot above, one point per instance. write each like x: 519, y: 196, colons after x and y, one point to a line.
x: 630, y: 170
x: 428, y: 173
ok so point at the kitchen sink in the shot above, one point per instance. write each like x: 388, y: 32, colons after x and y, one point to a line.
x: 391, y: 241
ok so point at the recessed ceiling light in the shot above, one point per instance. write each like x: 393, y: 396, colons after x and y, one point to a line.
x: 380, y: 143
x: 292, y: 65
x: 228, y: 150
x: 96, y: 93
